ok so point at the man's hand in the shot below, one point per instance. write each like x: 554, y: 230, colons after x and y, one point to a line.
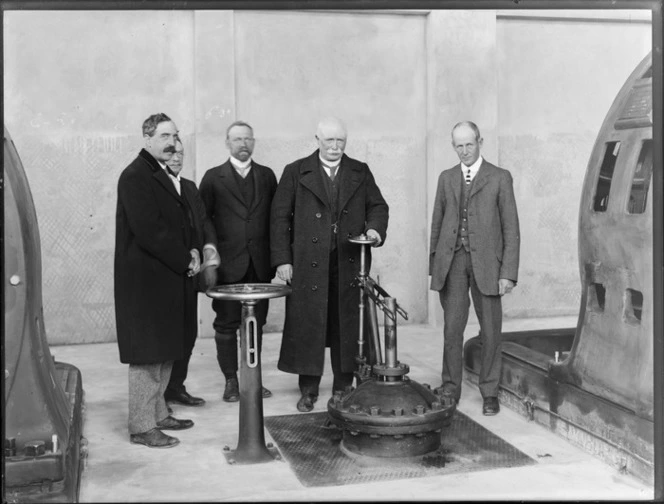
x: 195, y: 264
x: 505, y: 286
x: 372, y: 233
x: 210, y: 276
x: 285, y: 272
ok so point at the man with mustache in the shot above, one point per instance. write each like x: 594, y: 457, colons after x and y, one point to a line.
x: 237, y: 196
x: 156, y: 254
x: 321, y: 201
x: 474, y: 246
x: 176, y: 392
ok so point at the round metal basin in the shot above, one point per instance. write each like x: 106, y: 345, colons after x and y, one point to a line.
x: 248, y: 291
x: 362, y: 240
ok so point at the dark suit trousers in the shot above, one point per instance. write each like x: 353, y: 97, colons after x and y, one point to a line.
x: 181, y: 366
x: 228, y: 321
x: 309, y: 384
x: 456, y: 304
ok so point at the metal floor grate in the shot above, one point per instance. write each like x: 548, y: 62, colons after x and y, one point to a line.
x: 313, y: 452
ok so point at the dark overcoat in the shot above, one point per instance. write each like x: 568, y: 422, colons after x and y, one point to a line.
x: 153, y: 239
x: 493, y: 225
x: 300, y: 235
x: 243, y: 230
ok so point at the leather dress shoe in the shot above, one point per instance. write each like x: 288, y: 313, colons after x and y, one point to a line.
x: 266, y: 393
x: 231, y: 391
x: 154, y: 438
x: 490, y: 406
x: 183, y: 397
x: 306, y: 402
x: 170, y: 423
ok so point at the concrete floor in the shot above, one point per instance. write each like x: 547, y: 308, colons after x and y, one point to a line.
x: 196, y: 470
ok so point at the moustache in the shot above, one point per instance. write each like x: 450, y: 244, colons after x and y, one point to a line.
x: 170, y: 149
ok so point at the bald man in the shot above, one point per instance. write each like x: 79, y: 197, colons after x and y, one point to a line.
x: 320, y: 201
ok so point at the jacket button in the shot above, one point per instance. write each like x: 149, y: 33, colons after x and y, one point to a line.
x: 314, y: 287
x: 314, y: 264
x: 351, y: 259
x: 318, y: 215
x: 314, y: 239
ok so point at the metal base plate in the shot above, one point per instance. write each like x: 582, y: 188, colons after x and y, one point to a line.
x: 270, y: 454
x: 312, y: 448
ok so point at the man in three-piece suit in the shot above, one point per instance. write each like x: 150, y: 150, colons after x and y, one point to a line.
x: 322, y: 200
x: 156, y: 256
x: 204, y: 233
x: 237, y: 197
x: 474, y: 245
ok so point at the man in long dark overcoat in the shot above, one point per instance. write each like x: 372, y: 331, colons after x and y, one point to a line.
x: 321, y: 200
x: 237, y: 196
x: 155, y: 258
x: 474, y: 246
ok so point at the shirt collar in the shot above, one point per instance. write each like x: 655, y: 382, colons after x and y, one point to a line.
x: 242, y: 165
x: 327, y: 163
x: 474, y: 167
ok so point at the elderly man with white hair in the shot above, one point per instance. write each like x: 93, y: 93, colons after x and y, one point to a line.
x: 320, y: 201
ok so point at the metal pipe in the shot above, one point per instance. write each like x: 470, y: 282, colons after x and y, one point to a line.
x: 390, y: 333
x: 363, y: 275
x: 373, y: 327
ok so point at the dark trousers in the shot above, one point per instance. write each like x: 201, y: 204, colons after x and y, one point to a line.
x: 181, y: 366
x: 456, y: 304
x: 227, y: 322
x: 309, y: 384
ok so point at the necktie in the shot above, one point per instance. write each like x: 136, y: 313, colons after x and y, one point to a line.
x: 468, y: 177
x: 333, y: 171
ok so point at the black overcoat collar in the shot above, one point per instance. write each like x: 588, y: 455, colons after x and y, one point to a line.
x: 159, y: 173
x: 311, y: 177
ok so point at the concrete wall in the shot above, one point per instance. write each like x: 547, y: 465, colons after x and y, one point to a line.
x: 77, y: 86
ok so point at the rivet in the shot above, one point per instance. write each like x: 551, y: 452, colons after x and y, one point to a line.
x: 15, y: 280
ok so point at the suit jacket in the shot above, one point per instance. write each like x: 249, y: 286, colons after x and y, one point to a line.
x: 153, y: 240
x: 242, y: 229
x: 301, y: 224
x: 493, y: 226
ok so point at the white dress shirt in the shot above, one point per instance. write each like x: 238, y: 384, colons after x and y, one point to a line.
x: 242, y: 167
x: 473, y: 168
